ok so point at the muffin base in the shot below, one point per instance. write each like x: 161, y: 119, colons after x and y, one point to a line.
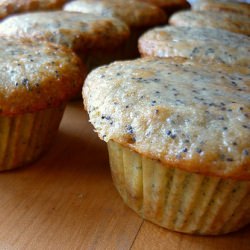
x: 23, y: 138
x: 176, y: 199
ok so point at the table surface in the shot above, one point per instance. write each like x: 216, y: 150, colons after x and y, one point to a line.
x: 66, y: 200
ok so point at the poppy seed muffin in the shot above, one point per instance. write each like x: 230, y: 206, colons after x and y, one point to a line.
x: 94, y: 38
x: 133, y: 13
x: 36, y: 81
x: 200, y: 44
x: 137, y: 15
x: 178, y: 138
x: 216, y: 5
x: 8, y: 7
x: 233, y: 22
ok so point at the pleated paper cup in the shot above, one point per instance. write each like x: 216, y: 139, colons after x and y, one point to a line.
x: 179, y: 200
x: 24, y: 137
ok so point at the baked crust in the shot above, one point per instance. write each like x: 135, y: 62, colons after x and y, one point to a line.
x: 8, y: 7
x: 230, y: 6
x: 133, y: 13
x: 185, y: 114
x: 233, y: 22
x: 200, y: 44
x: 35, y: 76
x: 77, y: 31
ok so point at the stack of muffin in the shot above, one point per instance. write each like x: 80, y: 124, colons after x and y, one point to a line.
x: 46, y: 53
x: 177, y: 128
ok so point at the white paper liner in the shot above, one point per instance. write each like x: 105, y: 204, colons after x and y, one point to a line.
x: 179, y: 200
x: 24, y: 137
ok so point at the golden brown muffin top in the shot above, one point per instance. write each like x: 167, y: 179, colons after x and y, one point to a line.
x: 8, y: 7
x: 200, y: 44
x: 36, y: 76
x: 75, y: 30
x: 133, y: 13
x: 185, y: 114
x: 233, y: 22
x: 219, y: 5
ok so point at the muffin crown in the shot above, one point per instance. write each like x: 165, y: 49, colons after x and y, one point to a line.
x: 133, y: 13
x: 233, y: 22
x: 202, y: 44
x: 8, y: 7
x: 186, y: 114
x: 78, y: 31
x: 35, y: 76
x: 231, y: 6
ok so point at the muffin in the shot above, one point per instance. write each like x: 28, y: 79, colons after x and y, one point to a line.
x: 8, y: 7
x: 137, y: 15
x: 178, y: 138
x: 200, y: 44
x: 94, y: 39
x: 169, y: 6
x: 36, y: 80
x: 233, y: 22
x: 218, y: 5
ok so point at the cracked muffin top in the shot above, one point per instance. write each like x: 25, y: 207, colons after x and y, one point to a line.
x: 35, y: 76
x: 233, y: 22
x: 200, y: 44
x: 77, y: 31
x: 8, y: 7
x: 133, y: 13
x: 185, y: 114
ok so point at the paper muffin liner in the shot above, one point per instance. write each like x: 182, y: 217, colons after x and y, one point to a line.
x: 179, y: 200
x: 23, y: 138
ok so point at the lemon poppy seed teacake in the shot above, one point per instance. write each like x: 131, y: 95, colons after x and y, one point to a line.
x: 36, y: 81
x: 8, y: 7
x: 134, y: 13
x: 222, y: 5
x: 179, y: 129
x: 233, y: 22
x: 137, y: 15
x: 197, y: 43
x: 87, y: 35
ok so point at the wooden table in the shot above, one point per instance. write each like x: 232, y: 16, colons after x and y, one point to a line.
x: 66, y: 200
